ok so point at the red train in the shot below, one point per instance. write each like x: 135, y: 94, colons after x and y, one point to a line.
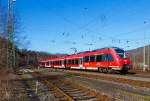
x: 104, y: 60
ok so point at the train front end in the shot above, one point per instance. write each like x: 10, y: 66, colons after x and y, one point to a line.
x: 123, y: 60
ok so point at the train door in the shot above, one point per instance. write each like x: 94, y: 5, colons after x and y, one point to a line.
x: 104, y: 61
x: 65, y: 62
x: 81, y: 63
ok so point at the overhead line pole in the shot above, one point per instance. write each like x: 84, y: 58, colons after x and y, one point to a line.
x: 144, y: 68
x: 10, y: 33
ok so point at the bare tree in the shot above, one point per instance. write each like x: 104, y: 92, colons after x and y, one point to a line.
x: 10, y: 28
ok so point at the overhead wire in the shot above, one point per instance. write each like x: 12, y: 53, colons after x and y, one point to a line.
x: 84, y: 27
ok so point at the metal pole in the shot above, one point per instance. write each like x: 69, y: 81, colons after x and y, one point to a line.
x: 10, y: 32
x: 144, y: 52
x: 74, y: 49
x: 148, y: 57
x: 13, y: 28
x: 36, y: 89
x: 144, y: 58
x: 8, y: 24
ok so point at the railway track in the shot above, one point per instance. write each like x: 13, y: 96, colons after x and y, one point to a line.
x: 70, y: 86
x: 66, y: 90
x: 134, y: 81
x: 129, y: 74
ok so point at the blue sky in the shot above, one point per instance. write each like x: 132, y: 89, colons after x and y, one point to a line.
x: 55, y: 26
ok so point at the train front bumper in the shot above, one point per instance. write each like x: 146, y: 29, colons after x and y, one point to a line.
x: 127, y: 67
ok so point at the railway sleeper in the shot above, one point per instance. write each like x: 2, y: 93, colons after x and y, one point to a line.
x: 67, y: 87
x: 95, y: 99
x: 83, y: 97
x: 79, y: 92
x: 76, y: 91
x: 71, y: 90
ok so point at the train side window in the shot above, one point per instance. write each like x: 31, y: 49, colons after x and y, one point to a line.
x: 81, y: 60
x: 98, y: 58
x: 47, y: 63
x: 65, y: 62
x: 60, y: 62
x: 92, y: 58
x: 72, y: 61
x: 76, y: 61
x: 86, y: 59
x: 104, y: 57
x: 43, y: 63
x: 69, y: 61
x: 110, y: 57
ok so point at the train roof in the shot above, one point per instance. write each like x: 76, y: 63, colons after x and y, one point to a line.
x: 82, y: 54
x: 106, y: 48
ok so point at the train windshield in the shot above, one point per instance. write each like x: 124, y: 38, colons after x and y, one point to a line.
x: 121, y: 53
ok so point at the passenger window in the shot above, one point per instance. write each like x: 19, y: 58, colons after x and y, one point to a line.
x: 43, y: 63
x: 92, y: 58
x: 104, y: 57
x: 86, y: 59
x: 72, y: 61
x: 76, y: 61
x: 69, y: 61
x: 81, y: 60
x: 98, y: 58
x: 65, y: 62
x: 110, y: 58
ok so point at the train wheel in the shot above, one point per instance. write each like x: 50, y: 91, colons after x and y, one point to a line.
x: 105, y: 70
x: 109, y: 70
x: 100, y: 70
x: 124, y: 71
